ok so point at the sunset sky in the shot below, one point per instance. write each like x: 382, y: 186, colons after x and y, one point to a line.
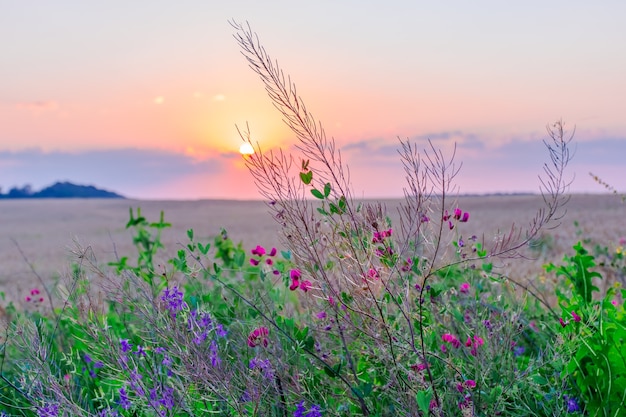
x: 142, y: 97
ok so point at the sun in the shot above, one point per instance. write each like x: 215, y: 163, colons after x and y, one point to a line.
x: 246, y: 149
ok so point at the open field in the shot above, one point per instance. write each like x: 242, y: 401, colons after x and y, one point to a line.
x: 46, y: 230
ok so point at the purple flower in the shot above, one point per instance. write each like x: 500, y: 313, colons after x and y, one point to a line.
x: 48, y: 410
x: 259, y: 250
x: 86, y: 358
x: 215, y: 359
x: 264, y: 365
x: 124, y: 402
x: 321, y: 315
x: 464, y: 288
x: 572, y: 404
x: 518, y: 351
x: 125, y: 345
x: 173, y: 299
x: 465, y: 217
x: 301, y: 411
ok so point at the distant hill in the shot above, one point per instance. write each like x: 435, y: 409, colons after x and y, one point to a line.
x: 61, y: 190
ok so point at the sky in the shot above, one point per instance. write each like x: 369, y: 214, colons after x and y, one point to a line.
x: 143, y: 97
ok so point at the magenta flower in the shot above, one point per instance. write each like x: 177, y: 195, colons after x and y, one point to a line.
x: 457, y: 213
x: 446, y: 216
x: 563, y: 322
x: 447, y: 337
x: 306, y: 285
x: 464, y: 288
x: 576, y: 317
x: 259, y: 250
x: 258, y: 336
x: 254, y: 262
x: 465, y: 217
x: 470, y: 383
x: 295, y: 276
x: 321, y: 315
x: 272, y: 252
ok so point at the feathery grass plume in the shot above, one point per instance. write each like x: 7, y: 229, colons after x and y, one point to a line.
x: 371, y: 279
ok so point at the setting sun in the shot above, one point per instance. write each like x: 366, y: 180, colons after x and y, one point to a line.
x: 246, y: 149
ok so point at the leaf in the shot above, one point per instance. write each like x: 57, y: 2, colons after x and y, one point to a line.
x: 317, y: 194
x: 190, y: 234
x: 322, y: 211
x: 306, y: 177
x: 423, y: 399
x: 326, y: 189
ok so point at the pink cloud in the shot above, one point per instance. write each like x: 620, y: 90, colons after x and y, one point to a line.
x: 38, y: 105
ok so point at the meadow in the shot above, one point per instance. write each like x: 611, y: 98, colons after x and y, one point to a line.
x: 313, y: 303
x: 49, y: 231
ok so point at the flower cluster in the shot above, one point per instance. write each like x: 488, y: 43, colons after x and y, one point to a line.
x: 301, y: 411
x: 295, y: 275
x: 262, y: 256
x: 258, y: 337
x: 458, y: 215
x: 379, y: 237
x: 173, y: 299
x: 264, y: 366
x: 474, y: 343
x: 34, y: 297
x: 200, y: 324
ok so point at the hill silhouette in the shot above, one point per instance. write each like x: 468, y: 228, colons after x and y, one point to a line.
x: 60, y: 190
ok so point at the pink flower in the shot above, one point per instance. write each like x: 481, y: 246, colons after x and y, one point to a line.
x: 258, y: 336
x: 269, y: 261
x: 295, y: 275
x: 469, y: 342
x: 254, y: 262
x: 563, y: 322
x: 614, y: 302
x: 272, y: 252
x: 28, y: 299
x: 321, y: 315
x: 450, y: 225
x: 34, y: 291
x: 470, y: 383
x: 465, y: 217
x: 443, y: 348
x: 331, y: 300
x: 446, y: 216
x: 305, y: 285
x: 259, y: 250
x: 464, y: 288
x: 457, y: 213
x: 576, y: 317
x: 447, y: 337
x: 478, y: 341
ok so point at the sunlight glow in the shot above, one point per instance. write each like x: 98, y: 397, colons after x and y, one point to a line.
x: 246, y: 149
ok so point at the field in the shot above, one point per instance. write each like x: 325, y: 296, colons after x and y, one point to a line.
x: 48, y: 231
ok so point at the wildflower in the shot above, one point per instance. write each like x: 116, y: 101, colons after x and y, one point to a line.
x: 173, y: 299
x: 447, y: 337
x: 470, y: 383
x: 321, y: 315
x: 407, y: 265
x: 125, y: 346
x: 314, y: 411
x: 254, y: 262
x: 478, y: 341
x: 457, y: 213
x: 424, y: 218
x: 563, y: 322
x: 464, y: 288
x: 295, y: 276
x: 259, y: 250
x: 469, y: 342
x: 258, y: 336
x: 460, y: 243
x: 450, y: 225
x: 443, y: 348
x: 572, y: 404
x: 305, y: 285
x: 264, y: 365
x: 419, y: 367
x: 518, y: 351
x: 124, y: 402
x: 215, y: 359
x: 446, y: 216
x: 272, y: 252
x: 48, y: 410
x: 465, y: 217
x: 269, y: 261
x: 576, y: 317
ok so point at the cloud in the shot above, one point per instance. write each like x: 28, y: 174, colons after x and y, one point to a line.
x: 121, y: 170
x: 38, y: 105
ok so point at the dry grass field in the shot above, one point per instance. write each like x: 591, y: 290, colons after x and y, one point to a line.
x: 47, y: 231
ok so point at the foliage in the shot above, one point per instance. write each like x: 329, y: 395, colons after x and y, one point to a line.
x: 358, y: 316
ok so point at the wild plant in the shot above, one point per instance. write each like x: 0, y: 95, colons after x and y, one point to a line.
x: 357, y: 316
x: 379, y: 288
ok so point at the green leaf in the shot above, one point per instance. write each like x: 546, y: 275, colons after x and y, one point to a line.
x: 322, y: 211
x: 326, y: 189
x: 204, y: 248
x: 317, y: 194
x: 423, y: 399
x: 306, y: 177
x: 190, y: 234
